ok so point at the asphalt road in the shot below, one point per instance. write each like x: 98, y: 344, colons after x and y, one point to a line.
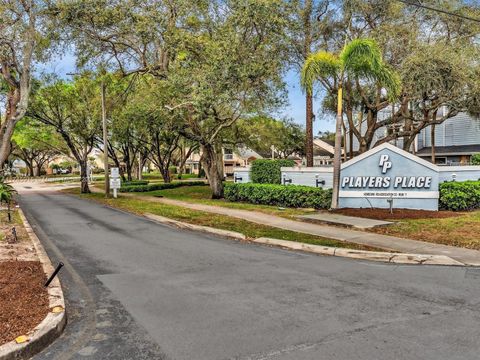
x: 139, y: 290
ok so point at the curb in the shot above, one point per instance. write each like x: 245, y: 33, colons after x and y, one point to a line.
x: 205, y: 229
x: 394, y: 258
x: 53, y: 324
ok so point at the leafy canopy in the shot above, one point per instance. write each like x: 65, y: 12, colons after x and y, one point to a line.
x: 359, y: 59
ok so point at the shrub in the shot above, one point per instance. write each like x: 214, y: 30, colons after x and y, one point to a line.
x: 160, y: 186
x: 265, y: 171
x: 135, y: 183
x: 279, y: 195
x: 6, y: 191
x: 475, y: 160
x: 460, y: 196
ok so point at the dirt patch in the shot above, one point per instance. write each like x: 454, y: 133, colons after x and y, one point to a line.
x: 23, y: 299
x: 398, y: 214
x: 6, y: 234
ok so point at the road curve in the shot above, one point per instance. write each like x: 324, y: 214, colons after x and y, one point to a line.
x: 139, y: 290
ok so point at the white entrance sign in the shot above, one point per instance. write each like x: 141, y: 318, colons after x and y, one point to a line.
x: 114, y: 173
x: 385, y: 174
x: 115, y: 181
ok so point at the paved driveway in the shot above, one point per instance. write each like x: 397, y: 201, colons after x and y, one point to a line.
x: 139, y: 290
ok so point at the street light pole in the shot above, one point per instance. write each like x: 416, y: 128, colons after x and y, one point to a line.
x: 105, y: 143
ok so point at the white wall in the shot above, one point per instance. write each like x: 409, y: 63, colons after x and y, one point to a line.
x: 462, y: 173
x: 241, y: 174
x: 308, y: 176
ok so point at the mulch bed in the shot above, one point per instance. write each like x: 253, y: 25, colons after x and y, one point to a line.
x: 23, y: 299
x: 398, y: 214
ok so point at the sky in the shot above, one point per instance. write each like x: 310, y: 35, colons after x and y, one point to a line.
x: 295, y: 110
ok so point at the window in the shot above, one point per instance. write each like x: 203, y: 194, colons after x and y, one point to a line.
x: 227, y: 154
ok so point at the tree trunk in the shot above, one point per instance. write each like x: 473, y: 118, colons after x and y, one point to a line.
x: 129, y: 170
x: 36, y: 170
x: 84, y: 189
x: 128, y: 163
x: 12, y: 116
x: 165, y: 174
x: 408, y: 142
x: 307, y: 49
x: 432, y: 135
x: 350, y: 142
x: 309, y: 130
x: 181, y: 170
x: 30, y: 169
x: 213, y: 165
x: 140, y: 166
x: 337, y: 156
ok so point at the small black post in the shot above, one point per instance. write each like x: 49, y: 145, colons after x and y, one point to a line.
x: 14, y: 233
x: 50, y: 279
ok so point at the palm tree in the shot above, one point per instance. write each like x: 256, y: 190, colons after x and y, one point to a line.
x: 361, y: 59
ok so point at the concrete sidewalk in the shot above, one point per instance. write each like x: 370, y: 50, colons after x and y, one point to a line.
x: 339, y: 219
x: 465, y: 256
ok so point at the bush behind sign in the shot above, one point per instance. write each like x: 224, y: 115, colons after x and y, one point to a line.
x: 265, y: 171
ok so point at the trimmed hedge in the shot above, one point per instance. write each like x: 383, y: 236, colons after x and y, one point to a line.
x: 135, y: 183
x: 460, y: 196
x: 265, y: 171
x: 475, y: 160
x: 160, y: 186
x: 280, y: 195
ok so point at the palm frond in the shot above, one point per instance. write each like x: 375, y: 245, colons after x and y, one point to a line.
x: 318, y: 65
x: 361, y: 57
x: 390, y: 80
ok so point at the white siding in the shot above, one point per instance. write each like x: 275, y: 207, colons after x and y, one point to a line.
x: 458, y: 130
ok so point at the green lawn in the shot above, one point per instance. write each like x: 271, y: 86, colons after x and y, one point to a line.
x: 203, y: 194
x: 462, y: 230
x: 251, y: 230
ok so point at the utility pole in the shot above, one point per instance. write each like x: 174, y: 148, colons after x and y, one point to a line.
x: 105, y: 142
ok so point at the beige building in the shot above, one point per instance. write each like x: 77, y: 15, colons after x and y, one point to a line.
x: 238, y: 157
